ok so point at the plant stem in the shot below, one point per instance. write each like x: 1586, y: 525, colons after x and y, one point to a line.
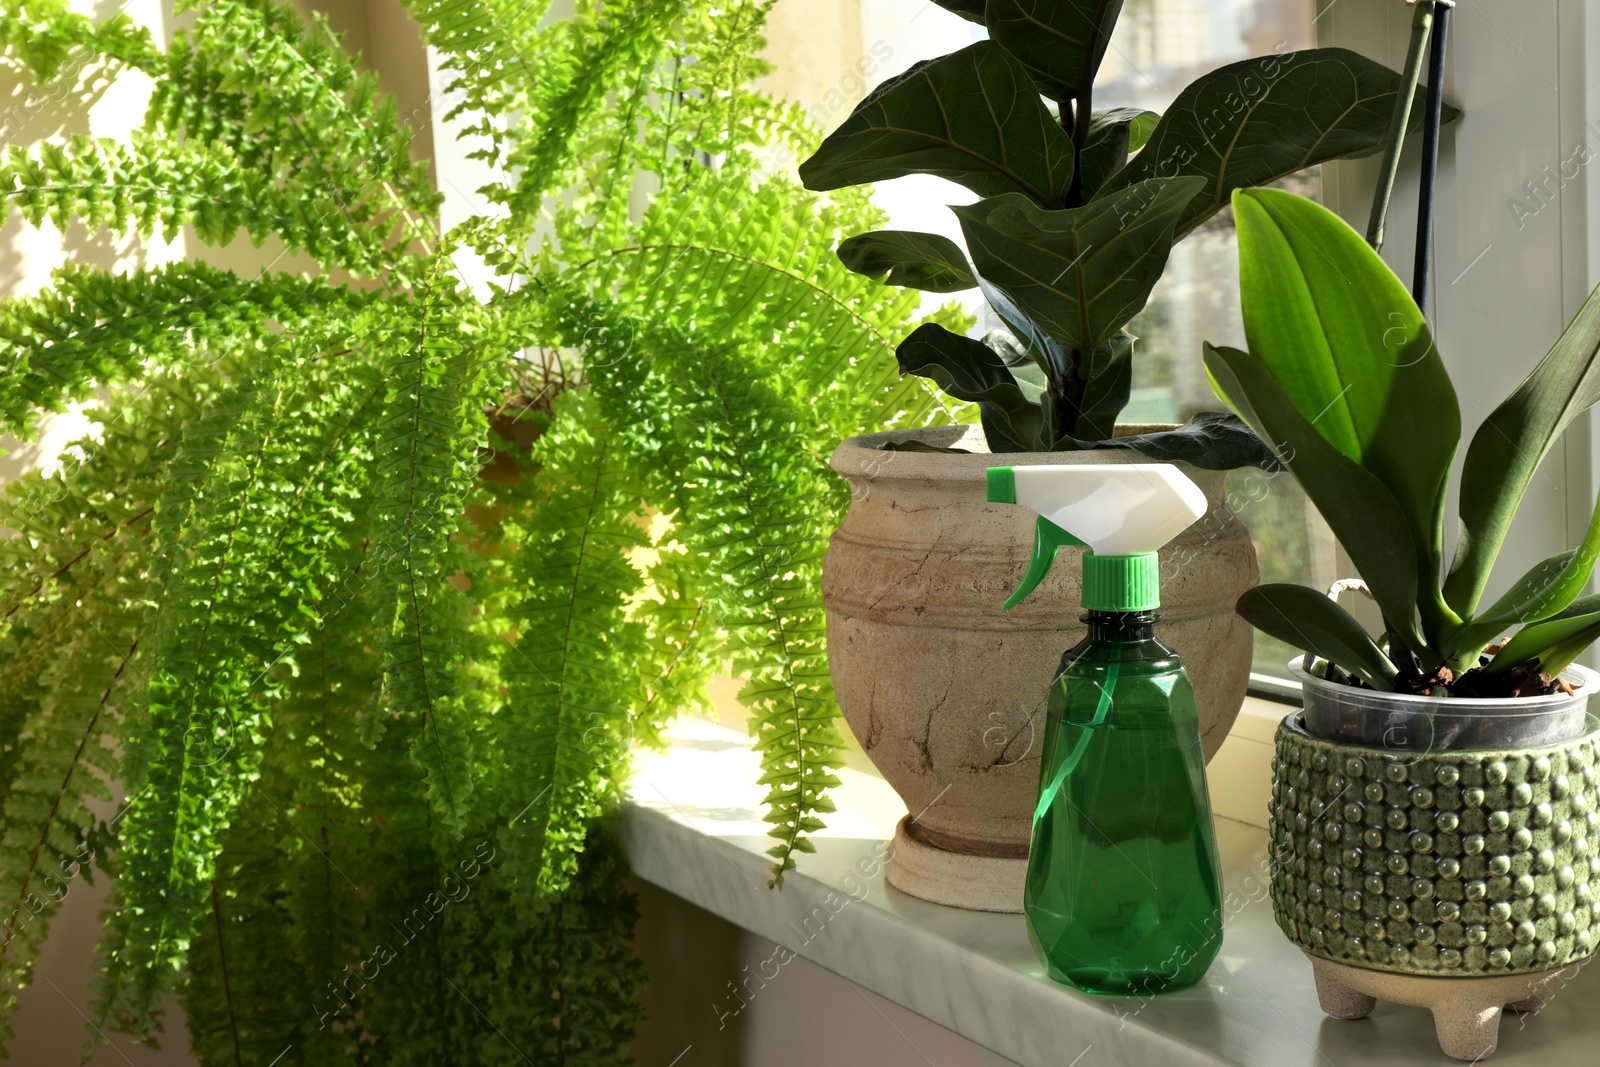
x: 1082, y: 118
x: 1421, y: 24
x: 1430, y: 152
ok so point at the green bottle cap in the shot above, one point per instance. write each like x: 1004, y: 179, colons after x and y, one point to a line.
x: 1121, y: 583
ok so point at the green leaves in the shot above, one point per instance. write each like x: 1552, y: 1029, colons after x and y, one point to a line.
x: 433, y: 424
x: 1343, y: 339
x: 1112, y: 135
x: 1060, y: 42
x: 1306, y: 619
x: 1212, y: 440
x: 374, y: 716
x: 566, y: 746
x: 1552, y: 645
x: 1258, y: 120
x: 924, y: 261
x: 1366, y: 518
x: 1510, y: 445
x: 1340, y: 362
x: 924, y: 122
x: 971, y: 370
x: 1074, y: 277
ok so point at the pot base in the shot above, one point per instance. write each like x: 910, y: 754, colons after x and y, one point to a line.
x: 1466, y: 1011
x: 956, y: 880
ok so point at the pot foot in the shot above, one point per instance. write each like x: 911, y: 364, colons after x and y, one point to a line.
x: 1339, y: 1000
x: 1467, y: 1030
x: 956, y: 880
x: 1466, y: 1011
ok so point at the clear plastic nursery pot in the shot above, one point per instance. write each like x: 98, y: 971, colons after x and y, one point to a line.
x: 1400, y: 721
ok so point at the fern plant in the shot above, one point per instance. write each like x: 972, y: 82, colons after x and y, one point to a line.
x: 331, y: 641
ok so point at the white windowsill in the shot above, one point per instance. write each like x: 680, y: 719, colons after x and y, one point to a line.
x: 693, y: 827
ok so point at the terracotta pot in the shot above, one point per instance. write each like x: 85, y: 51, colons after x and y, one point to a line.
x: 944, y: 691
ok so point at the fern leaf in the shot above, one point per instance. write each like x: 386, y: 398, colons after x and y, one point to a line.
x: 151, y: 186
x: 566, y: 728
x: 433, y: 426
x: 92, y: 328
x: 219, y: 655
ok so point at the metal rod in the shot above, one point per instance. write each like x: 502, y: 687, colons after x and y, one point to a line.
x: 1410, y: 78
x: 1430, y: 153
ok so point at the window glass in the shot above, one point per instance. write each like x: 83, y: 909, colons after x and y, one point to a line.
x: 1158, y: 48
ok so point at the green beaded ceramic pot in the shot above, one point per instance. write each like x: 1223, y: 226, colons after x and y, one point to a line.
x: 1444, y: 864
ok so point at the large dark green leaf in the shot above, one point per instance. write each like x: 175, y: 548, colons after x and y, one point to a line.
x: 1112, y: 135
x: 915, y: 260
x: 1106, y: 392
x: 1074, y: 277
x: 971, y: 370
x: 1310, y: 621
x: 1258, y: 120
x: 971, y: 10
x: 1511, y: 444
x: 1212, y: 440
x: 1345, y: 343
x: 972, y: 116
x: 1360, y: 510
x: 1061, y: 42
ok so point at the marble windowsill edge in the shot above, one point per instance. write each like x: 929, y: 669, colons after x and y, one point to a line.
x: 968, y: 992
x: 693, y: 827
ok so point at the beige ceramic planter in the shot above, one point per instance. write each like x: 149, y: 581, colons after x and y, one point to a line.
x: 945, y: 693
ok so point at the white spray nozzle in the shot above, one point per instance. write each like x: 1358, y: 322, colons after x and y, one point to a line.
x: 1116, y: 510
x: 1124, y: 509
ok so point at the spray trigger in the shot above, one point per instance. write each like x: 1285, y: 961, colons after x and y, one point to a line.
x: 1047, y: 538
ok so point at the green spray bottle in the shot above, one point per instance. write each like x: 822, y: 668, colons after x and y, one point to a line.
x: 1123, y: 890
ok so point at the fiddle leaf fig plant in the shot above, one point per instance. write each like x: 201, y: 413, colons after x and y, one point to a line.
x: 1080, y: 207
x: 1343, y: 380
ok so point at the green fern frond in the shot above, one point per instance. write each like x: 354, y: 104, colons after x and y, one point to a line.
x: 565, y: 730
x: 288, y: 101
x: 92, y: 328
x: 433, y: 427
x: 494, y: 54
x: 276, y: 491
x: 755, y: 508
x: 152, y: 185
x: 49, y: 37
x: 610, y: 45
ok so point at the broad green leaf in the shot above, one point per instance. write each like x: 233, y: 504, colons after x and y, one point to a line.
x: 971, y: 116
x: 1360, y: 510
x: 1346, y: 344
x: 1060, y: 42
x: 1310, y: 621
x: 971, y: 370
x: 1104, y: 395
x: 1554, y: 643
x: 1073, y: 277
x: 1212, y: 440
x: 915, y: 260
x: 1112, y: 135
x: 1511, y: 444
x: 1258, y: 120
x: 1025, y: 366
x: 971, y: 10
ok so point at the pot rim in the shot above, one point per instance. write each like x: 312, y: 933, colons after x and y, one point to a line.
x: 864, y: 456
x: 1581, y: 678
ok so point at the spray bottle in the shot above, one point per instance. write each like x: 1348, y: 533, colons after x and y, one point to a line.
x: 1123, y: 889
